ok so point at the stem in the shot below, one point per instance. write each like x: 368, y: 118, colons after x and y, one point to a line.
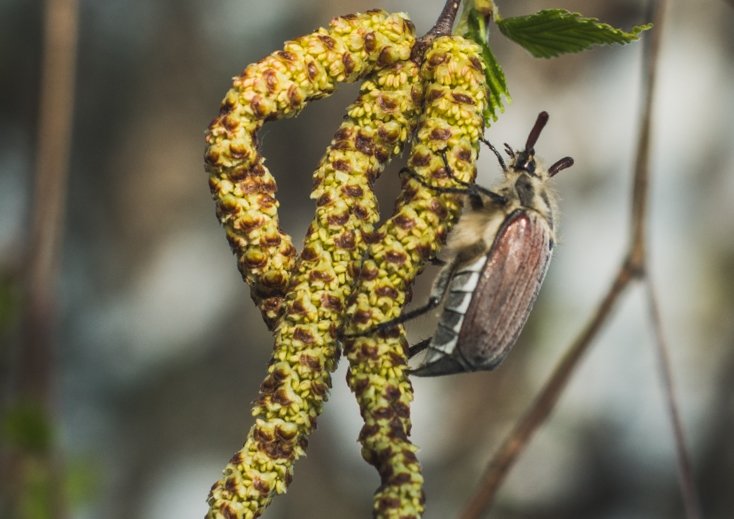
x: 520, y: 435
x: 640, y: 189
x: 634, y: 265
x: 685, y: 472
x: 48, y: 203
x: 445, y: 22
x: 49, y: 197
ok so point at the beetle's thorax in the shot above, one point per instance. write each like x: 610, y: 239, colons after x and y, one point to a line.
x: 474, y: 233
x: 523, y: 191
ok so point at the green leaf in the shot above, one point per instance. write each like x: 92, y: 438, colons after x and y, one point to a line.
x: 552, y: 32
x: 476, y: 30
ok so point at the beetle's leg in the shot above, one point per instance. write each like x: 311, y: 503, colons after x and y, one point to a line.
x: 424, y: 182
x: 417, y: 348
x: 496, y: 153
x: 472, y: 189
x: 437, y: 292
x: 450, y: 172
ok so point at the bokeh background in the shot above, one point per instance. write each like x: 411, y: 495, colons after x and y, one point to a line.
x: 160, y: 351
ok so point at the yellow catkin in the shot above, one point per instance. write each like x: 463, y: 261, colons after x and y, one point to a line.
x: 376, y: 127
x: 276, y: 87
x: 455, y: 97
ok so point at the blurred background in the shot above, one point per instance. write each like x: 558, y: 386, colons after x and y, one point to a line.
x: 159, y: 350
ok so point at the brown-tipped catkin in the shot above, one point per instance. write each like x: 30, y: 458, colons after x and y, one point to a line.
x: 455, y: 97
x: 376, y: 127
x: 276, y: 87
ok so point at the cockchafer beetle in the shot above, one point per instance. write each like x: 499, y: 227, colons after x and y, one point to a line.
x: 494, y: 263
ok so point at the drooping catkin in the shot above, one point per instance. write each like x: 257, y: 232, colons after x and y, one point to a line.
x: 276, y: 87
x: 455, y: 97
x: 376, y: 127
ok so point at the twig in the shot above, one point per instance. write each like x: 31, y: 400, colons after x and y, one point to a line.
x: 36, y: 354
x: 685, y: 472
x: 518, y: 438
x: 632, y: 267
x: 641, y: 183
x: 442, y: 27
x: 446, y: 19
x: 638, y: 258
x: 49, y: 196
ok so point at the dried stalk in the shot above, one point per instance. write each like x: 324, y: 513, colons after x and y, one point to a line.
x: 49, y: 197
x: 634, y: 266
x: 541, y: 408
x: 685, y: 472
x: 34, y: 391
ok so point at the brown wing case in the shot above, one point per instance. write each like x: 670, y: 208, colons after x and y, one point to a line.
x: 508, y: 287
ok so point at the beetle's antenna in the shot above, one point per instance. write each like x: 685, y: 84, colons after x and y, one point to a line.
x: 559, y: 165
x: 540, y: 123
x: 510, y: 152
x: 473, y: 188
x: 496, y: 153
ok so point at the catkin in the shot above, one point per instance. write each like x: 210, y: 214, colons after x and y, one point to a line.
x: 376, y: 127
x: 279, y: 86
x: 455, y: 97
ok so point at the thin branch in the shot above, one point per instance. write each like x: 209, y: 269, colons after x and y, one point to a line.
x: 685, y: 472
x: 445, y: 22
x: 443, y: 27
x: 633, y: 266
x: 47, y: 208
x: 520, y: 435
x: 640, y: 189
x: 49, y: 196
x: 638, y: 258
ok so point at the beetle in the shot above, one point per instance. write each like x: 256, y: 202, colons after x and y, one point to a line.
x: 494, y: 263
